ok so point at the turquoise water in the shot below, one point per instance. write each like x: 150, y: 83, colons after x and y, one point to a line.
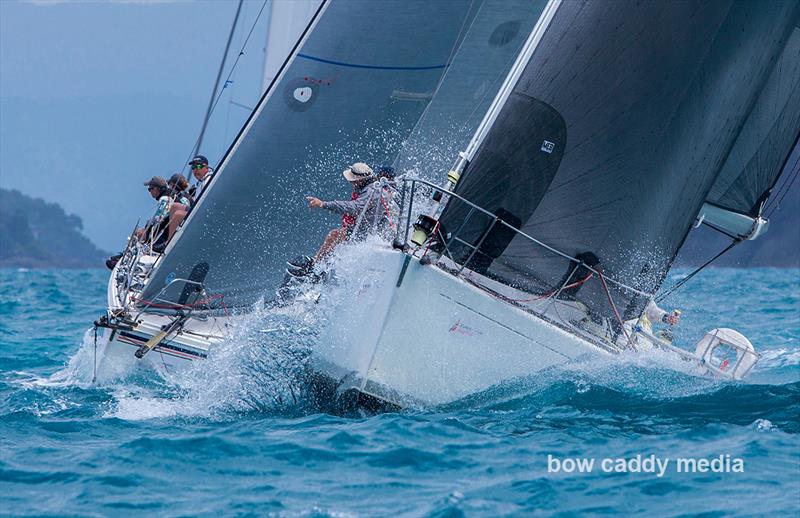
x: 239, y: 437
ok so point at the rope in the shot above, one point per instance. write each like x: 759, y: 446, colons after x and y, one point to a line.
x: 698, y: 270
x: 613, y: 306
x: 430, y: 241
x: 787, y: 185
x: 387, y: 212
x: 551, y: 293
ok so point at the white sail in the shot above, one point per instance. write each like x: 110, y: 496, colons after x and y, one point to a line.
x: 287, y: 21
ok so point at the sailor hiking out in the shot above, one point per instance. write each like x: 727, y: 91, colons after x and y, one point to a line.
x: 155, y: 231
x: 202, y: 173
x: 370, y: 205
x: 181, y: 202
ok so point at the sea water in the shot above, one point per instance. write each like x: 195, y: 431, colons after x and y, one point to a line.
x: 238, y: 435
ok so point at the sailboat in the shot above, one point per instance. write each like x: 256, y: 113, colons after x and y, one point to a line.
x: 620, y: 127
x: 355, y: 83
x: 594, y: 137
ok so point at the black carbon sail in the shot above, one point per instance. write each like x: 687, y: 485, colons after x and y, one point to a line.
x: 766, y: 140
x: 627, y: 113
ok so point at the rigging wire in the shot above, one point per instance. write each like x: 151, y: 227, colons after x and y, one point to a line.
x: 219, y: 75
x: 613, y: 306
x: 686, y: 279
x: 233, y: 68
x: 232, y: 90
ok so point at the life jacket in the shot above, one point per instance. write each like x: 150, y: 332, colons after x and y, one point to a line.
x: 348, y: 220
x: 183, y: 197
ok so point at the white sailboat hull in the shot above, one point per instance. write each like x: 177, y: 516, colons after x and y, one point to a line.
x: 116, y: 350
x: 434, y: 338
x: 117, y: 343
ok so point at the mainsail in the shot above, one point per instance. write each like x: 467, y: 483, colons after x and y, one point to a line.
x: 624, y: 117
x: 352, y: 91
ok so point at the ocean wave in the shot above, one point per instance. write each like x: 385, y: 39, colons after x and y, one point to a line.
x: 635, y: 398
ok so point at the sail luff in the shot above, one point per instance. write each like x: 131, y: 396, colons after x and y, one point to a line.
x: 268, y: 92
x: 513, y: 76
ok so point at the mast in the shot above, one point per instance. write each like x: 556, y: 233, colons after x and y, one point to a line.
x: 199, y: 143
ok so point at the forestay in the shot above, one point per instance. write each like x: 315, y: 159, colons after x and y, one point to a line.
x: 622, y: 120
x: 353, y: 91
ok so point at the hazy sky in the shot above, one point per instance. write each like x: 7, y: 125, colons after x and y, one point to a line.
x: 97, y: 97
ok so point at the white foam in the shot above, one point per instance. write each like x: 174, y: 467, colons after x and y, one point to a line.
x: 259, y: 368
x: 778, y: 358
x: 763, y: 425
x: 79, y: 370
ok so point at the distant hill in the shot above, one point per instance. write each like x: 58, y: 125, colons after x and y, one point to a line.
x: 37, y: 234
x: 77, y: 152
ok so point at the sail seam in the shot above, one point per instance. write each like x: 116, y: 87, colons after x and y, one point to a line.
x: 371, y: 67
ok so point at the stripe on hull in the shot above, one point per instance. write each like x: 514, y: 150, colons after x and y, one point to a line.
x: 169, y: 349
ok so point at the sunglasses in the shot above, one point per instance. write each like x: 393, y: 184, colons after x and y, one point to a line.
x: 198, y: 166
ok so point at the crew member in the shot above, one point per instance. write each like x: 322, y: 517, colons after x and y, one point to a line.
x: 367, y: 198
x: 181, y: 202
x: 156, y: 229
x: 202, y: 173
x: 653, y: 314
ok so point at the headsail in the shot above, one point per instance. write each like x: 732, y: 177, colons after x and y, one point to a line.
x: 759, y: 155
x: 490, y: 46
x: 287, y: 21
x: 630, y: 110
x: 334, y: 103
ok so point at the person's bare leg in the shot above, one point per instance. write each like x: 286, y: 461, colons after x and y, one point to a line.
x: 333, y: 238
x: 175, y: 220
x: 177, y: 207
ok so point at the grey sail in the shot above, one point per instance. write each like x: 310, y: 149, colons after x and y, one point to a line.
x: 628, y: 112
x: 353, y: 91
x: 766, y: 140
x: 489, y: 47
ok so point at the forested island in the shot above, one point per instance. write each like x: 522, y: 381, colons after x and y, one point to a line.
x: 38, y: 234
